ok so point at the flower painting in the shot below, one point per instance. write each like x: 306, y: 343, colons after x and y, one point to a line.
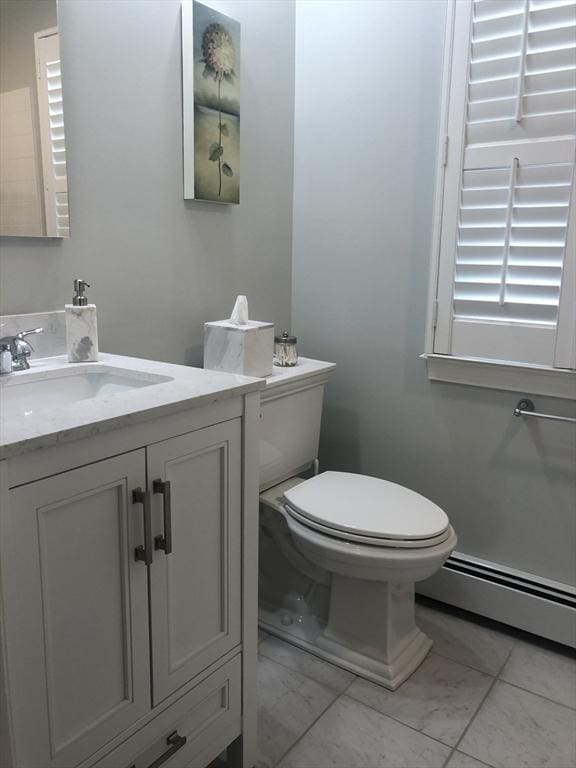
x: 211, y: 91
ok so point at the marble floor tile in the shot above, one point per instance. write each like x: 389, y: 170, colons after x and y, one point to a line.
x: 439, y: 699
x: 288, y: 703
x: 517, y: 729
x: 466, y: 641
x: 306, y: 663
x: 542, y: 670
x: 460, y: 760
x: 350, y: 735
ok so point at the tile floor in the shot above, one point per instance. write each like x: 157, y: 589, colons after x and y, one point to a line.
x: 485, y: 696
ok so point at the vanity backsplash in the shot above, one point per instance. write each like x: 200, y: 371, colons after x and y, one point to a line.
x: 47, y: 344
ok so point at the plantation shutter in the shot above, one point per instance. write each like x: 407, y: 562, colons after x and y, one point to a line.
x: 51, y: 112
x: 57, y: 146
x: 507, y: 237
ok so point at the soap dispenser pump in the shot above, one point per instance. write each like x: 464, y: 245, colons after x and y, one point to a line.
x: 79, y: 300
x: 81, y: 326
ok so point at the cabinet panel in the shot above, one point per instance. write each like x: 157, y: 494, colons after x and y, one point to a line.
x: 195, y: 589
x: 208, y: 717
x: 214, y: 705
x: 76, y: 605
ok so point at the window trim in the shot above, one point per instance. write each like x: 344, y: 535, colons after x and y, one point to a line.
x: 441, y: 155
x: 494, y: 374
x: 469, y: 371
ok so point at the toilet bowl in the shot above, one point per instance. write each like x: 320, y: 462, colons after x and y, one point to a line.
x: 377, y: 539
x: 340, y: 552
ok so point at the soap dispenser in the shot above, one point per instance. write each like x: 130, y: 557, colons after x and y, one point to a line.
x: 81, y: 326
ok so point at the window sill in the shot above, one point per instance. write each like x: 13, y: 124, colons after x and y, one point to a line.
x: 527, y: 379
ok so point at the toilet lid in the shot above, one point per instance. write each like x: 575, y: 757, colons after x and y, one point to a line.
x: 368, y: 506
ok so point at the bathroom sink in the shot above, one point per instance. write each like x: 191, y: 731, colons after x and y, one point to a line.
x: 56, y: 401
x: 31, y: 393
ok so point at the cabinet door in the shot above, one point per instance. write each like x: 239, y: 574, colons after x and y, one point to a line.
x: 75, y: 611
x: 195, y: 589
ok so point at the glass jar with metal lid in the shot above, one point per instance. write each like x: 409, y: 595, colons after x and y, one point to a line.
x: 5, y: 359
x: 285, y: 353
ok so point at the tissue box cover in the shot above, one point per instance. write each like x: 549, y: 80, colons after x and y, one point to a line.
x: 245, y: 349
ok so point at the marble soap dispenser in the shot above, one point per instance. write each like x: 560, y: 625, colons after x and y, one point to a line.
x: 81, y: 327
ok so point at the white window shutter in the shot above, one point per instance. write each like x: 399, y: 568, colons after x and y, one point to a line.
x: 58, y: 146
x: 507, y: 226
x: 51, y: 115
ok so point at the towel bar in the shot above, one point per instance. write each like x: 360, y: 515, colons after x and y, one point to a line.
x: 525, y: 407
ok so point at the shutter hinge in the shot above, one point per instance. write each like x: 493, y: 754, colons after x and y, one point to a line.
x: 435, y: 313
x: 445, y: 151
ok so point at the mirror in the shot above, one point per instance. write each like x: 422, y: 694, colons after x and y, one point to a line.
x: 33, y: 180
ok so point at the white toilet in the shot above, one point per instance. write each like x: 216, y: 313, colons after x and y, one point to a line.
x: 340, y: 553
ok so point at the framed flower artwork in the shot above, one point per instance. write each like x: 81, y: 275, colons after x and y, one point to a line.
x: 211, y: 104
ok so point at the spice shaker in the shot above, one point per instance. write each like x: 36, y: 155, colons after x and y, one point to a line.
x: 285, y: 353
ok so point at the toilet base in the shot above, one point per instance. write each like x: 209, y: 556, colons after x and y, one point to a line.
x: 375, y: 636
x: 390, y: 675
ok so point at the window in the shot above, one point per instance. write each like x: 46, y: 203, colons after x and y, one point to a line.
x: 505, y: 287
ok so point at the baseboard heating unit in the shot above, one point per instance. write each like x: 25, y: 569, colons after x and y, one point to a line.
x: 522, y: 600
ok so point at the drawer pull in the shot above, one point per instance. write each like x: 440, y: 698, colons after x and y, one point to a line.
x: 144, y: 553
x: 164, y: 542
x: 175, y: 742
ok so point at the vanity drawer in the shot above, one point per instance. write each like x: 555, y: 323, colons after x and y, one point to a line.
x: 200, y: 724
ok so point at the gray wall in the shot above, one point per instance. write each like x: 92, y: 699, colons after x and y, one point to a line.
x: 160, y: 267
x: 368, y: 78
x: 368, y: 84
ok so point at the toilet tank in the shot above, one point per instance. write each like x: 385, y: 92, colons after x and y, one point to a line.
x: 291, y: 411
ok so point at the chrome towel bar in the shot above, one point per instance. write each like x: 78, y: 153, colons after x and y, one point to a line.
x: 525, y: 407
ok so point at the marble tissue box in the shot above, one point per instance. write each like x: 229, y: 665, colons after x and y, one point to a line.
x: 246, y: 349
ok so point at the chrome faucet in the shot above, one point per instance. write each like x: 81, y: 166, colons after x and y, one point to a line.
x: 19, y: 348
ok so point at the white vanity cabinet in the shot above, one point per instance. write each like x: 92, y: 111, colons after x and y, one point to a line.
x: 195, y: 590
x: 126, y: 638
x: 76, y: 613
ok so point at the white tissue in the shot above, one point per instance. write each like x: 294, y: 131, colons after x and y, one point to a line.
x: 239, y: 314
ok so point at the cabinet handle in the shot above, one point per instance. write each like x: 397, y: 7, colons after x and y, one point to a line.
x: 175, y: 742
x: 144, y: 553
x: 164, y: 542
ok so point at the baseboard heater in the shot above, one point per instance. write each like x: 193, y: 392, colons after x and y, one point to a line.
x: 522, y: 600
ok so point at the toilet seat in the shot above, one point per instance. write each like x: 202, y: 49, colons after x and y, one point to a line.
x: 360, y: 539
x: 367, y: 510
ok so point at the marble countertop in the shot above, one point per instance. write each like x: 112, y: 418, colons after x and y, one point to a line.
x: 28, y: 427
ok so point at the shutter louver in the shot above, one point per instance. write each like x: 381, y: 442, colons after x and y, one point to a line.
x: 512, y: 193
x: 511, y: 241
x: 522, y: 79
x: 57, y: 146
x: 522, y: 65
x: 52, y: 135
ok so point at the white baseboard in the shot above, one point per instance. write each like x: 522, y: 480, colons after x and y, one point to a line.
x: 531, y: 605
